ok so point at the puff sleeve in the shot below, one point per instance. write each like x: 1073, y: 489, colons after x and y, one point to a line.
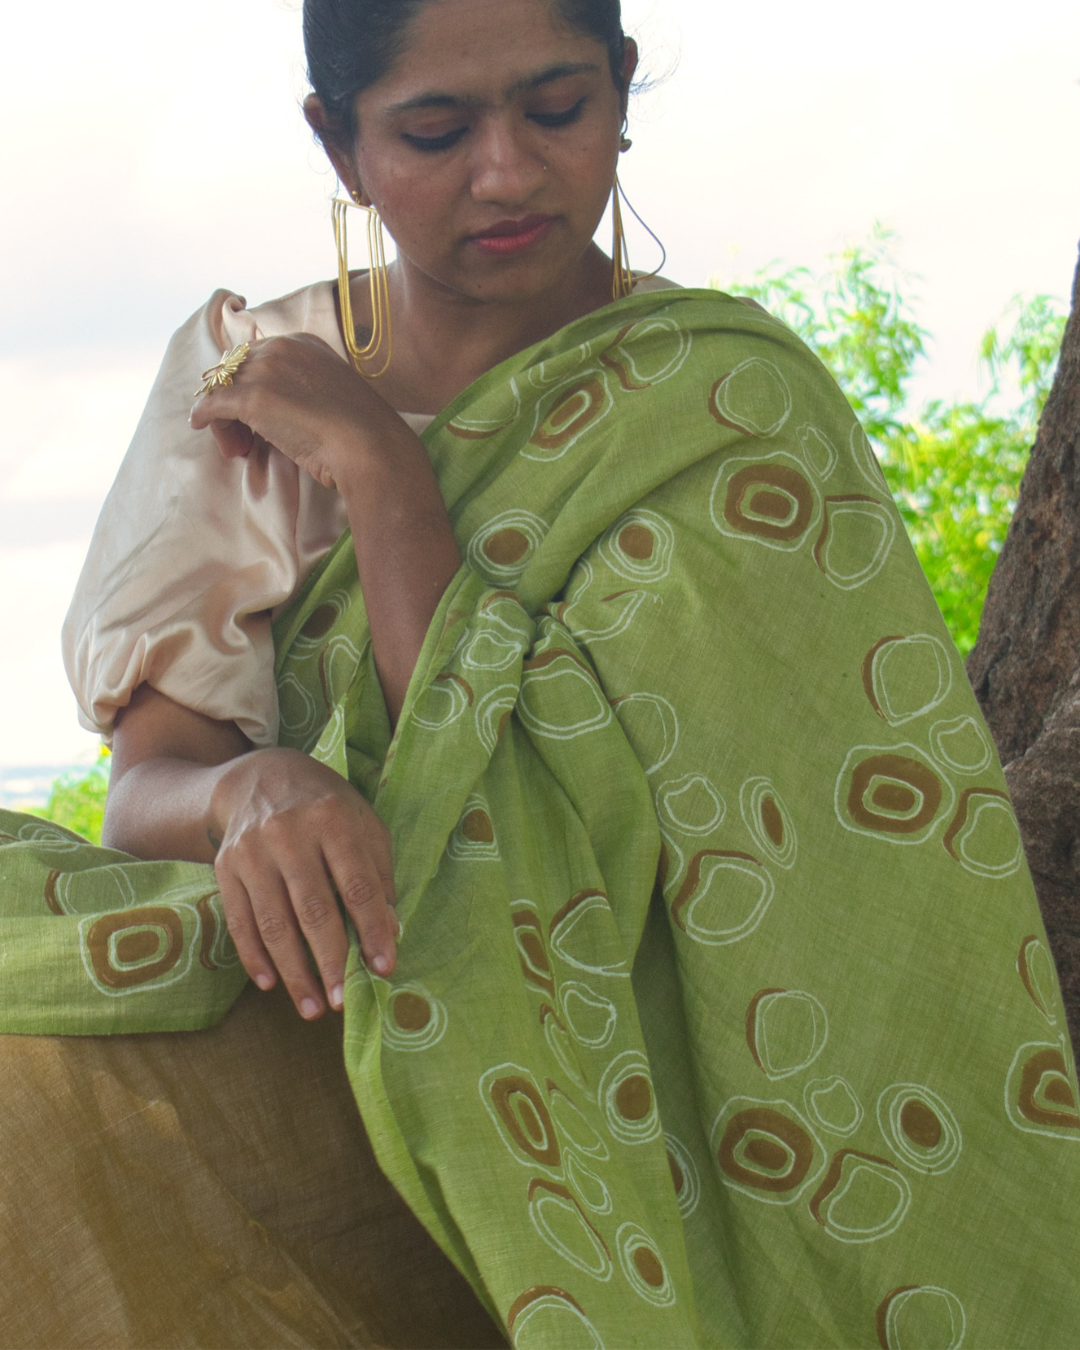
x: 192, y: 552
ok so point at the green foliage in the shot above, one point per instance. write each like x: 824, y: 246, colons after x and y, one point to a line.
x: 77, y: 800
x: 954, y: 468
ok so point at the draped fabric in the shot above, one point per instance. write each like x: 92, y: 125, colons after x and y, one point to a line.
x: 724, y: 1013
x: 214, y: 1189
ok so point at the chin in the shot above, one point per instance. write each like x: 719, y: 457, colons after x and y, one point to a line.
x: 516, y: 282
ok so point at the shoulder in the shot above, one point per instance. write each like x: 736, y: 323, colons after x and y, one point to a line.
x: 226, y: 320
x: 311, y: 309
x: 649, y: 282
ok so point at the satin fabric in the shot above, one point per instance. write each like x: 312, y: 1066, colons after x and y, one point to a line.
x: 193, y: 553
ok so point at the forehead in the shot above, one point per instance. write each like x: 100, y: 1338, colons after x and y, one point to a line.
x: 482, y: 51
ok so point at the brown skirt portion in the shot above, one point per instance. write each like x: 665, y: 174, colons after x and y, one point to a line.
x: 208, y: 1189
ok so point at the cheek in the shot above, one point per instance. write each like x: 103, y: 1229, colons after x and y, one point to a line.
x: 586, y: 161
x: 588, y: 174
x: 413, y: 204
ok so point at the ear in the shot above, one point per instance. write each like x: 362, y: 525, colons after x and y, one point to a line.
x: 344, y: 164
x: 630, y: 64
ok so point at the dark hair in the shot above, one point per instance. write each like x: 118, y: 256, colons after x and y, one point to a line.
x: 351, y: 44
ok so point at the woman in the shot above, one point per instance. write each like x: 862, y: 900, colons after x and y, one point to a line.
x: 698, y: 994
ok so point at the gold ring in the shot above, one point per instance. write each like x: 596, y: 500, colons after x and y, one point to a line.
x: 221, y: 375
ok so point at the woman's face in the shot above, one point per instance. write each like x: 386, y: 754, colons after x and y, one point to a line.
x: 490, y: 147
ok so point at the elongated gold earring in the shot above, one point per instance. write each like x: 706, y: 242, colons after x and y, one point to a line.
x: 622, y: 279
x: 382, y: 334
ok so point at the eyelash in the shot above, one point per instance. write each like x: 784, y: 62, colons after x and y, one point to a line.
x: 549, y: 121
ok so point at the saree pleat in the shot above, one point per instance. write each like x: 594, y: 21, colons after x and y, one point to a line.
x: 724, y: 1013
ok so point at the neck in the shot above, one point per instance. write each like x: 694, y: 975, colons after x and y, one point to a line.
x: 443, y: 340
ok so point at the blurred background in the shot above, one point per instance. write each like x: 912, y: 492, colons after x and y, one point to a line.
x: 152, y: 152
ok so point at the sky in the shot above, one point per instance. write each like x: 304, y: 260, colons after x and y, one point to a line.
x: 153, y: 152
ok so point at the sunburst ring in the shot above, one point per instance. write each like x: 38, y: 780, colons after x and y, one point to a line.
x: 221, y: 375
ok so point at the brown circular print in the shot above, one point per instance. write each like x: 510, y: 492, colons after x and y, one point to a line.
x: 920, y: 1315
x: 477, y: 827
x: 1040, y: 1091
x: 769, y: 821
x: 1035, y: 967
x: 568, y: 415
x: 753, y: 398
x: 639, y: 546
x: 506, y: 547
x: 627, y: 1099
x: 862, y: 1198
x: 502, y: 548
x: 412, y: 1012
x: 633, y: 1097
x: 768, y: 500
x: 548, y: 1315
x: 134, y: 947
x: 983, y: 836
x: 919, y: 1127
x: 415, y: 1020
x: 321, y: 621
x: 531, y: 948
x: 684, y: 1175
x: 562, y: 1223
x: 643, y: 1265
x: 517, y: 1105
x: 765, y: 1149
x: 474, y: 839
x: 892, y: 793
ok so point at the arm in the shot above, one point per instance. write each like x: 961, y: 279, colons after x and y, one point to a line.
x: 283, y: 831
x: 299, y: 396
x: 406, y: 553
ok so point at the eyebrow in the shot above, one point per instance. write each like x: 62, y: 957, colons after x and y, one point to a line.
x: 436, y: 99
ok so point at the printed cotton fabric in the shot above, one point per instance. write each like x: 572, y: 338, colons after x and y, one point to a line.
x: 724, y: 1014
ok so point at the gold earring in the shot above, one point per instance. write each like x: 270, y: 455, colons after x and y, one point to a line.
x: 381, y: 329
x: 622, y: 279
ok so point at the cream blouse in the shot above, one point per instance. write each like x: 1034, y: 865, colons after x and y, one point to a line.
x: 192, y: 552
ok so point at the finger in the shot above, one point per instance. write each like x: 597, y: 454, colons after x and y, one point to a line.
x: 226, y: 403
x: 280, y: 936
x: 315, y: 906
x: 244, y: 931
x: 235, y: 439
x: 366, y: 900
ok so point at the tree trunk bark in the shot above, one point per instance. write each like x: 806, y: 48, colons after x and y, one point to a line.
x: 1025, y: 667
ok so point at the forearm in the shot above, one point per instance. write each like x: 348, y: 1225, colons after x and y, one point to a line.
x: 406, y: 554
x: 287, y: 837
x: 163, y: 808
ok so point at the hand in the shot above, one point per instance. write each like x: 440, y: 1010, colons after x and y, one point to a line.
x: 288, y: 830
x: 295, y: 393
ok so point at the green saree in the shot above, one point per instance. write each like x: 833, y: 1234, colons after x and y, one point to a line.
x: 724, y: 1013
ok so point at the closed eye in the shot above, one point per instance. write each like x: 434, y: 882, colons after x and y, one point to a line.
x: 550, y: 121
x: 559, y: 119
x: 431, y: 144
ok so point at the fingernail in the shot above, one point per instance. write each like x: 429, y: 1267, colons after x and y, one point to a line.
x: 337, y: 996
x: 309, y: 1008
x: 264, y: 982
x: 381, y: 965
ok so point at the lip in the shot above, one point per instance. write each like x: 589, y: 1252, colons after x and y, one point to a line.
x: 514, y: 236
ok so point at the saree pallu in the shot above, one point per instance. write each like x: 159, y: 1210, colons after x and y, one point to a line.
x: 724, y: 1014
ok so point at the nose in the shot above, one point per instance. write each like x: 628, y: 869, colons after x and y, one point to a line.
x: 507, y: 169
